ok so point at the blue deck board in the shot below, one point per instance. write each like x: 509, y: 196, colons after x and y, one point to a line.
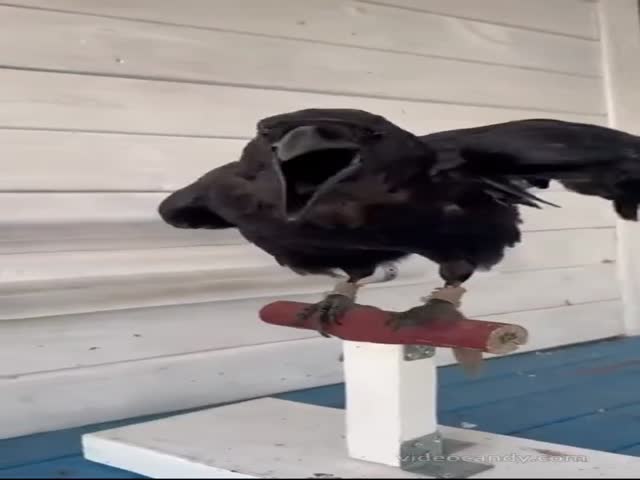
x: 66, y: 467
x: 51, y: 445
x: 616, y: 430
x: 516, y: 415
x: 534, y: 361
x: 584, y: 395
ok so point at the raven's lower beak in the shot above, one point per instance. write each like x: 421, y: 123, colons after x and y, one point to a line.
x: 309, y: 162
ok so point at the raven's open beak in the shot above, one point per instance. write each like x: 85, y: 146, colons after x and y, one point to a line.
x: 309, y: 162
x: 307, y: 139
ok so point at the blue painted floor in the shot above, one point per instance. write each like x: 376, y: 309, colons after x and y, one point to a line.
x: 587, y: 396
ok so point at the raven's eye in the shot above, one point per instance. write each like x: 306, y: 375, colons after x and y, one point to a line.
x: 264, y: 130
x: 374, y: 135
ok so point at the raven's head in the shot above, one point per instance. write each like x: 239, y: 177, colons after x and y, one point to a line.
x: 316, y: 149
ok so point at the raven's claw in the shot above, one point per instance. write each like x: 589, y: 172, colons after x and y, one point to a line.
x: 421, y: 315
x: 330, y: 310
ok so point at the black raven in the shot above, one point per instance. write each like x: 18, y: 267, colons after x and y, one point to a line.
x: 330, y: 190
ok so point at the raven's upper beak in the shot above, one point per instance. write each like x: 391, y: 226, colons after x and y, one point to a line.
x: 310, y: 161
x: 307, y: 139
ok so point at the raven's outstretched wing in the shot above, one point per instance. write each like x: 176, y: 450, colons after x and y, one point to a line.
x: 512, y: 157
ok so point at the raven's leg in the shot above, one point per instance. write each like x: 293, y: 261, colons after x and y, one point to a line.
x: 457, y: 272
x: 454, y: 274
x: 333, y: 307
x: 443, y: 302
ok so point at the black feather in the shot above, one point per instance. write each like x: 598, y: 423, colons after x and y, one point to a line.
x: 518, y: 194
x: 450, y: 196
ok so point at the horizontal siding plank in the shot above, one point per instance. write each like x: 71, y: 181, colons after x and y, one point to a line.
x: 576, y: 211
x: 30, y: 267
x: 103, y: 293
x: 64, y: 297
x: 56, y: 208
x: 68, y: 161
x: 77, y: 102
x: 107, y: 392
x: 60, y: 342
x: 39, y: 99
x: 91, y: 236
x: 56, y: 343
x: 44, y: 39
x: 561, y: 248
x: 538, y: 250
x: 89, y: 395
x: 567, y: 17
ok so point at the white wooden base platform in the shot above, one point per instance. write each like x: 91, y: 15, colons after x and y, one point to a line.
x: 272, y: 438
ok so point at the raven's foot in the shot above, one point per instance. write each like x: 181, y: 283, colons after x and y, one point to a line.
x: 329, y: 311
x: 333, y: 308
x: 422, y: 315
x: 443, y: 303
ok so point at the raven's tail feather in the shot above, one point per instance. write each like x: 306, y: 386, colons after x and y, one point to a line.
x: 626, y: 208
x: 627, y: 197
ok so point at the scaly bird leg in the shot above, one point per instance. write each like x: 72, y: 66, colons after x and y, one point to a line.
x: 333, y: 307
x: 443, y: 303
x: 337, y: 302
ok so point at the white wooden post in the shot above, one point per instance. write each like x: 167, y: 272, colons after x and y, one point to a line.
x: 620, y: 38
x: 389, y: 400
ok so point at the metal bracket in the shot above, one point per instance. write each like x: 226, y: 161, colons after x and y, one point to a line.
x: 418, y: 352
x: 433, y: 456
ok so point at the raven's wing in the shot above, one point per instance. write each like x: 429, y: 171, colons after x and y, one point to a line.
x: 511, y: 158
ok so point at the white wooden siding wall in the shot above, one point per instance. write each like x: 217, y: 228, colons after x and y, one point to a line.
x: 620, y: 25
x: 107, y: 105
